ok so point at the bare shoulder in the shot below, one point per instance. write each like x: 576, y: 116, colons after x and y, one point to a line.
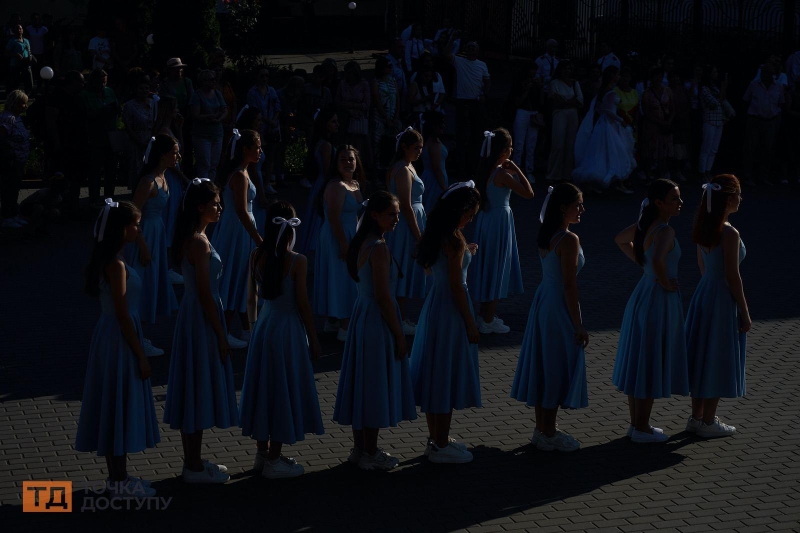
x: 730, y: 235
x: 116, y: 269
x: 199, y: 245
x: 300, y: 262
x: 380, y: 251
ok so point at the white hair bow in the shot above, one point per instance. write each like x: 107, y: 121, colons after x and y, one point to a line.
x: 293, y: 222
x: 147, y: 151
x: 102, y: 219
x: 707, y: 188
x: 236, y: 137
x: 241, y: 111
x: 316, y: 114
x: 196, y: 181
x: 400, y: 136
x: 459, y: 185
x: 365, y: 203
x: 486, y: 147
x: 546, y: 201
x: 645, y: 203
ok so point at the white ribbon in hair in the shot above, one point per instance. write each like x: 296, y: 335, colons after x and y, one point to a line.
x: 365, y: 203
x: 196, y: 181
x: 400, y: 136
x: 459, y: 185
x: 316, y: 114
x: 486, y: 147
x: 645, y: 203
x: 236, y: 137
x: 156, y: 100
x: 147, y: 151
x: 241, y: 111
x: 546, y: 201
x: 708, y: 187
x: 103, y: 219
x: 293, y: 222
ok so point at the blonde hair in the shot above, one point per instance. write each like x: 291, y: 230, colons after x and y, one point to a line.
x: 15, y: 99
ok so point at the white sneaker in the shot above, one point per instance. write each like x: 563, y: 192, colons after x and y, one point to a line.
x: 450, y: 441
x: 632, y: 428
x: 246, y: 335
x: 175, y: 278
x: 380, y: 461
x: 642, y: 437
x: 693, y: 425
x: 130, y: 488
x: 492, y: 327
x: 150, y: 350
x: 139, y: 480
x: 449, y: 454
x: 537, y: 435
x: 10, y: 223
x: 330, y: 326
x: 269, y: 189
x: 209, y: 474
x: 283, y: 467
x: 235, y: 343
x: 409, y: 328
x: 355, y: 455
x: 259, y: 462
x: 560, y: 441
x: 304, y: 183
x: 341, y: 336
x: 717, y: 429
x: 221, y: 468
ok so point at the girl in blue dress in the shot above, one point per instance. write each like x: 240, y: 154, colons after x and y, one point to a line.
x: 496, y: 272
x: 718, y: 318
x: 403, y: 182
x: 551, y: 371
x: 375, y: 389
x: 434, y: 158
x: 318, y: 164
x: 339, y: 204
x: 250, y: 118
x: 444, y: 360
x: 200, y: 390
x: 279, y: 398
x: 118, y: 415
x: 148, y: 256
x: 651, y: 355
x: 236, y: 235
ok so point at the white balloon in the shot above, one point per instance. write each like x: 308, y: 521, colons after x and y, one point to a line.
x: 351, y: 5
x: 150, y: 39
x: 46, y: 73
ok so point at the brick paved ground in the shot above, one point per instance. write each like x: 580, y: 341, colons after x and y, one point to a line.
x: 745, y: 483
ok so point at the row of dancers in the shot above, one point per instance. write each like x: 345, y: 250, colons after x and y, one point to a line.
x: 382, y: 380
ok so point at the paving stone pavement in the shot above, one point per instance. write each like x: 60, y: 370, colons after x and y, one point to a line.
x: 745, y: 483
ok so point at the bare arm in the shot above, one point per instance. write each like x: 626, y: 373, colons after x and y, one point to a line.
x: 520, y: 185
x: 624, y: 240
x: 334, y: 200
x: 299, y: 275
x: 381, y: 261
x: 405, y: 181
x: 239, y: 184
x: 568, y: 253
x: 454, y: 260
x: 200, y: 254
x: 435, y: 149
x: 118, y: 284
x: 730, y: 249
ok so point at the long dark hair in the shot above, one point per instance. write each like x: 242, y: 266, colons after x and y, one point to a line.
x: 271, y: 255
x: 163, y: 145
x: 707, y: 230
x: 441, y: 227
x: 658, y: 190
x: 189, y: 215
x: 229, y: 164
x: 379, y: 202
x: 359, y: 175
x: 486, y: 167
x: 105, y: 251
x: 311, y: 168
x: 563, y: 195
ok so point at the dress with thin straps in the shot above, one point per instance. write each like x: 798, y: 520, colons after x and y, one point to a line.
x: 375, y: 388
x: 403, y: 246
x: 279, y: 397
x: 651, y: 354
x: 551, y: 371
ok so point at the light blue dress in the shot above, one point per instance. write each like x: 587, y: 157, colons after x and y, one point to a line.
x: 375, y: 389
x: 335, y: 291
x: 234, y: 245
x: 551, y: 371
x: 444, y: 365
x: 312, y: 223
x: 158, y: 296
x: 279, y: 397
x: 651, y: 354
x: 173, y: 207
x: 714, y: 346
x: 496, y: 272
x: 200, y: 390
x: 259, y: 211
x: 118, y: 414
x: 432, y: 189
x: 403, y: 246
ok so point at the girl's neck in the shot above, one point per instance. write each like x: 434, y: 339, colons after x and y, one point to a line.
x: 564, y: 226
x: 663, y: 218
x: 201, y: 228
x: 159, y: 171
